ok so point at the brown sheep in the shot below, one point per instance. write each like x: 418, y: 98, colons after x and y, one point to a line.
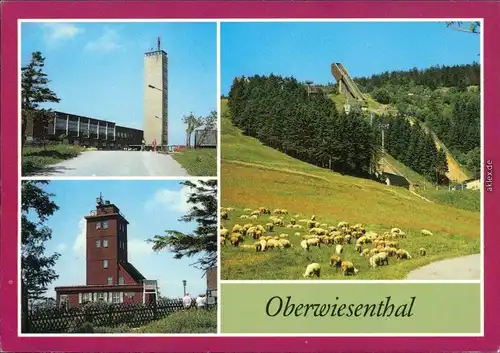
x: 347, y: 268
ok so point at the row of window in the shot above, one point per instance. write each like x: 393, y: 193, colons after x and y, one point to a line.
x: 120, y: 280
x: 85, y: 134
x: 124, y: 135
x: 105, y: 225
x: 104, y: 244
x: 101, y: 225
x: 111, y: 297
x: 84, y: 128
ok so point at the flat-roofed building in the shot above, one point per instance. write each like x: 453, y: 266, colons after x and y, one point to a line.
x: 82, y: 130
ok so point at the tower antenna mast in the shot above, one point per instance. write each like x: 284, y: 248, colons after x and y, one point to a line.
x: 159, y: 42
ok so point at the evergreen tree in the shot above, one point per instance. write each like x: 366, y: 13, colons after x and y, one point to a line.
x: 203, y: 241
x: 36, y: 267
x: 34, y: 92
x: 282, y: 114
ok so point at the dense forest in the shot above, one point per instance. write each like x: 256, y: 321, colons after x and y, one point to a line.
x: 458, y: 76
x: 413, y: 146
x: 444, y: 98
x: 279, y: 112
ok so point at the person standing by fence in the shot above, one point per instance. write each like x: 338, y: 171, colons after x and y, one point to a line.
x: 143, y: 145
x: 154, y: 145
x: 187, y: 301
x: 201, y: 301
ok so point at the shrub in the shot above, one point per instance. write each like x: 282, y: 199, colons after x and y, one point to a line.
x: 382, y: 96
x: 80, y: 327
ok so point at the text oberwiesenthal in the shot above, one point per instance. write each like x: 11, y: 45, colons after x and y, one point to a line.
x: 277, y: 306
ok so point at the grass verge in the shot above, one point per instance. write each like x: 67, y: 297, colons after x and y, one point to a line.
x: 36, y: 159
x: 198, y: 162
x: 184, y: 321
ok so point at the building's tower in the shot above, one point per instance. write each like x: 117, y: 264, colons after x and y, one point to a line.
x: 106, y: 244
x: 156, y: 97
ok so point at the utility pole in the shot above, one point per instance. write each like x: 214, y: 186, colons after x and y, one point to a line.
x: 383, y: 127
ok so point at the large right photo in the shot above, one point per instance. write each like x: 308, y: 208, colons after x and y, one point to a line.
x: 351, y: 150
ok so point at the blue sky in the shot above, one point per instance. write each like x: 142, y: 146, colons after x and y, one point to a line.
x: 306, y: 50
x: 151, y: 207
x: 97, y: 68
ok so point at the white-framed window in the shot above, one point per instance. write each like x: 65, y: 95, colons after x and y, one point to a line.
x: 110, y: 280
x: 105, y: 263
x: 105, y: 243
x: 116, y: 297
x: 80, y: 298
x: 63, y: 300
x: 97, y: 243
x: 105, y: 225
x: 120, y: 280
x: 100, y: 295
x: 87, y: 297
x: 98, y: 225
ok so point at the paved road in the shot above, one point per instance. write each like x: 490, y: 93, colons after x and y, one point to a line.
x: 460, y: 268
x: 117, y: 163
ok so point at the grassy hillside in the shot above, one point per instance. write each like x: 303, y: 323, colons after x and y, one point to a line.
x: 254, y: 175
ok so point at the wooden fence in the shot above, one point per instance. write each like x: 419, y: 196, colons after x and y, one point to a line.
x: 60, y: 320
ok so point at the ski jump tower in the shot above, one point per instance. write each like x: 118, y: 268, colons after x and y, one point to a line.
x: 347, y: 83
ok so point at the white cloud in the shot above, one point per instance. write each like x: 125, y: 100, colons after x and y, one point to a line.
x: 57, y: 32
x: 107, y: 42
x: 60, y: 247
x: 138, y: 248
x: 172, y: 200
x: 80, y: 245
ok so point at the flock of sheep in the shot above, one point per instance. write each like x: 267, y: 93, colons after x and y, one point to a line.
x: 373, y: 247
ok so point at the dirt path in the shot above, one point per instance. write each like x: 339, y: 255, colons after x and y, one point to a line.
x: 460, y: 268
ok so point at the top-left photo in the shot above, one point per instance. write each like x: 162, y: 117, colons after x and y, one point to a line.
x: 118, y: 99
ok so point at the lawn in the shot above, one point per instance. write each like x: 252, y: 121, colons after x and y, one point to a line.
x: 254, y: 175
x: 464, y: 199
x: 199, y: 161
x: 36, y: 159
x: 184, y: 321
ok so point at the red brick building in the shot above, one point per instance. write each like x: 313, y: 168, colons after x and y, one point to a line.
x: 110, y: 276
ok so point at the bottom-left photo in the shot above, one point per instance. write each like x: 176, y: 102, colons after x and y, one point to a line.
x: 118, y: 256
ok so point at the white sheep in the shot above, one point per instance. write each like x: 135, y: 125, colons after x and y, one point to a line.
x: 313, y: 242
x: 379, y: 259
x: 339, y: 249
x: 426, y: 232
x: 312, y: 269
x: 285, y: 243
x: 403, y: 255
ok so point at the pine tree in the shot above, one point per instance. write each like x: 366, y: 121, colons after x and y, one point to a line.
x: 203, y: 241
x: 36, y: 267
x: 34, y: 92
